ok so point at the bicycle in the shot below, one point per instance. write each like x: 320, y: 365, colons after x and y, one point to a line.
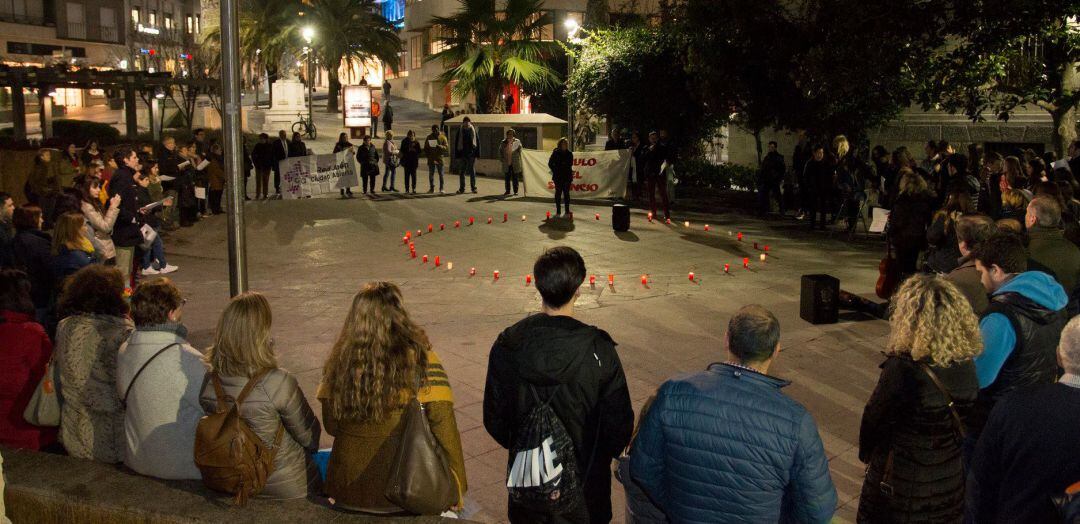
x: 304, y: 126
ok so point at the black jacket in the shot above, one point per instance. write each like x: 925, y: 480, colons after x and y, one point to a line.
x: 944, y: 255
x: 593, y: 404
x: 388, y: 115
x: 1026, y: 454
x: 655, y: 155
x: 908, y: 416
x: 126, y: 231
x: 7, y: 234
x: 773, y: 168
x: 368, y: 157
x: 819, y: 178
x: 281, y: 151
x: 909, y: 219
x: 561, y: 164
x: 297, y: 148
x: 341, y: 146
x: 262, y: 155
x: 410, y: 153
x: 32, y: 250
x: 167, y: 166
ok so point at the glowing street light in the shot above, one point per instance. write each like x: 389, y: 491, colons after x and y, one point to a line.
x: 308, y: 33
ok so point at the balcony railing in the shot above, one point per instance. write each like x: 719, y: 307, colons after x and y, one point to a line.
x: 24, y: 19
x: 76, y: 30
x: 108, y: 34
x: 93, y: 32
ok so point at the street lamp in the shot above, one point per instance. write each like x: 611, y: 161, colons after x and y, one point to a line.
x: 258, y: 79
x: 308, y: 33
x: 572, y: 29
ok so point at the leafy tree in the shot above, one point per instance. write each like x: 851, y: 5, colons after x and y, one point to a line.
x: 637, y: 78
x: 487, y: 48
x: 354, y: 31
x: 1004, y: 54
x: 266, y: 34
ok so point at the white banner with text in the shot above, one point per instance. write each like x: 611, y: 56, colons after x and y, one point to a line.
x: 597, y: 174
x: 305, y: 176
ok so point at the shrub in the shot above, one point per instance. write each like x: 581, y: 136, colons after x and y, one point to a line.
x: 701, y: 173
x: 80, y: 132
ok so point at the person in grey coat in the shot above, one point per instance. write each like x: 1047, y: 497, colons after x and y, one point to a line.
x: 242, y: 349
x: 158, y: 379
x: 510, y: 155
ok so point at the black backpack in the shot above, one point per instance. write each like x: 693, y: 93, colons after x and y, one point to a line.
x: 542, y: 473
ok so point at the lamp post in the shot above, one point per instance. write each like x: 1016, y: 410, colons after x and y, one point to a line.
x: 258, y: 70
x: 233, y: 138
x: 309, y: 33
x: 572, y: 29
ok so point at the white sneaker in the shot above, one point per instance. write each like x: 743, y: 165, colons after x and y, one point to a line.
x: 150, y: 271
x: 169, y: 268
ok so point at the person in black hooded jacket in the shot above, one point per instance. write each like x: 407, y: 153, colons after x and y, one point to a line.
x: 553, y: 356
x: 561, y: 164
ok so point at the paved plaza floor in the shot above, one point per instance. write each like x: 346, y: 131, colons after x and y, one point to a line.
x: 310, y: 256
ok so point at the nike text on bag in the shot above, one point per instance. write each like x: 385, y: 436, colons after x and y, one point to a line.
x: 228, y: 453
x: 542, y: 473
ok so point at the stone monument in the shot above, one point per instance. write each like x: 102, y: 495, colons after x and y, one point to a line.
x: 288, y: 102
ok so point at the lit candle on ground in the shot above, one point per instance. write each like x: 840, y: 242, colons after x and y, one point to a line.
x: 457, y: 223
x: 404, y: 240
x: 506, y: 216
x: 442, y: 227
x: 598, y: 216
x: 686, y: 224
x: 472, y: 271
x: 592, y: 280
x: 528, y: 279
x: 549, y: 214
x: 489, y: 220
x: 437, y: 263
x: 418, y: 233
x: 611, y: 279
x: 706, y: 227
x: 746, y: 263
x: 691, y: 276
x: 408, y: 234
x: 472, y: 220
x: 763, y: 257
x: 412, y: 254
x: 430, y: 227
x: 449, y: 266
x: 667, y: 221
x: 645, y: 280
x: 424, y: 259
x: 650, y: 217
x: 522, y: 218
x: 766, y: 248
x: 727, y: 268
x: 739, y: 236
x: 496, y: 274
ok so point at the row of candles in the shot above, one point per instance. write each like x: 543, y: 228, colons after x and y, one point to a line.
x: 407, y: 239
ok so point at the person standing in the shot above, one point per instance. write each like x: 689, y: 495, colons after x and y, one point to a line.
x: 367, y: 155
x: 343, y: 144
x: 561, y: 164
x: 971, y: 232
x: 800, y: 156
x: 32, y: 253
x: 467, y: 148
x: 819, y: 178
x: 637, y: 165
x: 374, y: 370
x: 23, y: 362
x: 772, y: 175
x: 386, y: 92
x: 447, y: 114
x: 297, y: 147
x: 574, y: 369
x: 912, y: 428
x: 436, y: 148
x: 262, y: 155
x: 388, y: 116
x: 43, y: 186
x: 391, y: 159
x: 215, y: 182
x: 281, y: 152
x: 510, y: 156
x: 410, y: 160
x: 655, y: 173
x: 376, y: 111
x: 275, y: 408
x: 1048, y: 247
x: 725, y: 445
x: 909, y: 219
x: 1027, y: 452
x: 614, y: 141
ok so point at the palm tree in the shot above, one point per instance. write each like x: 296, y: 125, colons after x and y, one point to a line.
x: 350, y: 30
x: 266, y: 34
x: 485, y: 48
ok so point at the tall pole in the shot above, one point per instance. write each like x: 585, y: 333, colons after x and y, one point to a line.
x: 234, y: 153
x: 310, y: 93
x: 569, y: 102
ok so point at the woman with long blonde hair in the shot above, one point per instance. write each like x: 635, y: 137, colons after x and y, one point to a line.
x: 71, y: 250
x: 380, y: 362
x: 275, y: 407
x: 912, y: 428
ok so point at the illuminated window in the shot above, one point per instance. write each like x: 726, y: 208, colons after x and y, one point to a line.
x: 416, y: 52
x: 190, y: 24
x: 134, y: 16
x: 168, y: 22
x: 153, y: 19
x: 198, y: 24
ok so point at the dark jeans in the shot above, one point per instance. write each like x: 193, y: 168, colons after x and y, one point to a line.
x: 410, y: 178
x: 156, y: 253
x: 654, y: 184
x: 562, y: 195
x: 432, y: 168
x: 277, y: 180
x: 766, y: 191
x: 511, y: 178
x: 468, y: 167
x: 818, y: 205
x: 368, y: 182
x: 215, y: 200
x: 389, y: 172
x: 908, y: 259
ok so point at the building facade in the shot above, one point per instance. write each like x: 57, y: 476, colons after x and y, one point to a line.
x: 162, y: 35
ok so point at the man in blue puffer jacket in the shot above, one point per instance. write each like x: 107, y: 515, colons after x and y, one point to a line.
x: 725, y: 445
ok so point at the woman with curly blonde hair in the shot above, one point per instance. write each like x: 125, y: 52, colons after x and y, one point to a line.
x: 911, y: 435
x: 381, y: 360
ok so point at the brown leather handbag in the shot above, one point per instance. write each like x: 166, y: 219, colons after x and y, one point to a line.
x: 421, y: 481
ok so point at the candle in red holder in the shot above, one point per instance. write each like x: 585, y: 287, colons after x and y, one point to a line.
x: 650, y: 217
x: 404, y: 240
x: 739, y: 236
x: 457, y: 223
x: 489, y: 220
x: 549, y: 215
x: 706, y: 227
x: 442, y: 227
x: 412, y: 247
x: 472, y: 271
x: 598, y: 216
x: 424, y: 259
x: 727, y: 268
x: 592, y: 280
x: 611, y: 279
x: 418, y: 233
x: 437, y: 263
x: 667, y: 221
x: 522, y: 218
x: 496, y: 274
x: 755, y: 245
x: 686, y: 224
x: 691, y: 276
x: 746, y: 263
x: 430, y: 227
x: 528, y: 279
x: 412, y: 254
x: 472, y: 220
x: 644, y: 280
x: 766, y: 248
x: 408, y: 234
x: 506, y: 216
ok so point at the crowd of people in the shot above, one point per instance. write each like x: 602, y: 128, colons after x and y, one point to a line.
x: 971, y: 418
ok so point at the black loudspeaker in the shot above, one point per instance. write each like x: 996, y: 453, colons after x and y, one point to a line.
x: 620, y: 217
x: 820, y: 299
